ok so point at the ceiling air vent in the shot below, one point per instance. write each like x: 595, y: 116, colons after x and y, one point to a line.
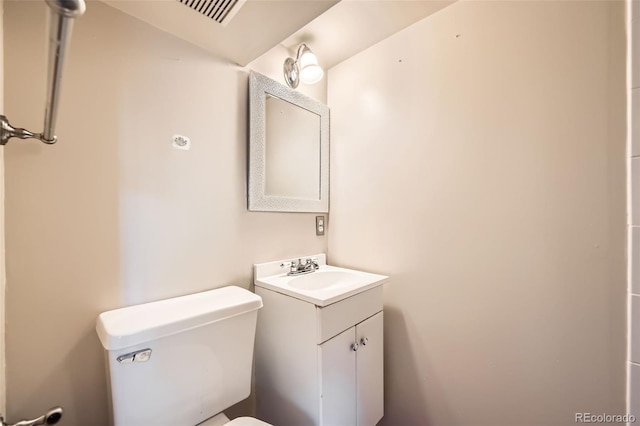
x: 221, y: 11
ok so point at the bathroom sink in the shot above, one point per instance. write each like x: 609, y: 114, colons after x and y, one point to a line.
x: 322, y: 279
x: 327, y: 285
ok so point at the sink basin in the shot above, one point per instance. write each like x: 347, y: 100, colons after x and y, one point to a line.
x: 327, y: 285
x: 322, y: 279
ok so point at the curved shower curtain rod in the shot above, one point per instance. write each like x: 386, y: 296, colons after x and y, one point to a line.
x: 62, y: 14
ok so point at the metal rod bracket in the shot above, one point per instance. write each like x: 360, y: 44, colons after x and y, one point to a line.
x: 51, y: 417
x: 7, y: 131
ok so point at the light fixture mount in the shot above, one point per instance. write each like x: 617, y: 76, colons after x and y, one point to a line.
x: 291, y: 73
x: 303, y: 68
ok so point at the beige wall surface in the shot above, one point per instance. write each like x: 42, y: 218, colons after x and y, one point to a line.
x: 112, y: 215
x: 478, y: 158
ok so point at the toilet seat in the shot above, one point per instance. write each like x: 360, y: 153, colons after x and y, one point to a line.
x: 247, y: 421
x: 222, y: 420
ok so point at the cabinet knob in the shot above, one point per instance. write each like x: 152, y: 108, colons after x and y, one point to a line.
x: 364, y: 341
x: 354, y: 347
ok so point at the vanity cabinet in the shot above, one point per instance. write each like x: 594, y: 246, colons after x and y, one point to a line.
x: 351, y: 380
x: 320, y: 365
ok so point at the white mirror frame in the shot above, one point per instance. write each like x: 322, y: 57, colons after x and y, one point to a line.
x: 259, y: 87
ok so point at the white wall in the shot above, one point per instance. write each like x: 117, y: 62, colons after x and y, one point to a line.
x: 633, y: 217
x: 111, y: 215
x: 478, y: 158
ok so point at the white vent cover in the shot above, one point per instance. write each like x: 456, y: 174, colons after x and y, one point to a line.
x: 221, y: 11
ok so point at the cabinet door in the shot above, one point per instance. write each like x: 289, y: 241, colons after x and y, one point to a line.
x: 370, y: 371
x: 338, y: 380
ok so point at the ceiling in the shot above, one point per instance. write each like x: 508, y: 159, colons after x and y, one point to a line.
x: 258, y: 26
x: 351, y: 26
x: 335, y: 30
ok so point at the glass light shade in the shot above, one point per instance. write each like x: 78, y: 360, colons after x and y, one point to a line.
x: 310, y: 71
x: 311, y: 74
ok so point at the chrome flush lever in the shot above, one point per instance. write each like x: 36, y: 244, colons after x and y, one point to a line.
x: 51, y: 417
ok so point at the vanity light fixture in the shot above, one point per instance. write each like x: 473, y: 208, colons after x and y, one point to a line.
x: 303, y: 68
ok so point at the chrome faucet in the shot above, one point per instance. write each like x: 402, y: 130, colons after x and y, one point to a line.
x: 299, y: 268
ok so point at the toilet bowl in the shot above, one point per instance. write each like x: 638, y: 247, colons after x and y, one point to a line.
x: 222, y: 420
x: 181, y: 361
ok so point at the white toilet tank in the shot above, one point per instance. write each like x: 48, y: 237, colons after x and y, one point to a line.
x: 179, y: 361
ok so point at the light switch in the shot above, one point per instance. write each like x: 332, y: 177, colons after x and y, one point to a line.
x: 319, y: 225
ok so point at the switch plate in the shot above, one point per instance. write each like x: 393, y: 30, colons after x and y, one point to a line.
x: 319, y: 225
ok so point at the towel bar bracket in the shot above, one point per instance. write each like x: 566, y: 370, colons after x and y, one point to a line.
x: 7, y: 131
x: 61, y: 22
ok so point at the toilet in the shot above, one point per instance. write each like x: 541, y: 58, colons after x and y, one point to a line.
x: 181, y: 361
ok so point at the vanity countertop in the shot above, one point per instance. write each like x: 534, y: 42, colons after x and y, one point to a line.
x: 327, y: 285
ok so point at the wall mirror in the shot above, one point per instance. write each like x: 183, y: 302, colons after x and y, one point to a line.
x: 288, y: 149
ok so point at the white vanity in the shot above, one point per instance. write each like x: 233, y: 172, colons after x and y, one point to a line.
x: 319, y: 346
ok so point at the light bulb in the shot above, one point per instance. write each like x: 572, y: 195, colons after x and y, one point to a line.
x: 310, y: 74
x: 310, y: 71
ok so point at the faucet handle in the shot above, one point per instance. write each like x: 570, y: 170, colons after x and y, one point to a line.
x: 291, y: 265
x: 313, y: 261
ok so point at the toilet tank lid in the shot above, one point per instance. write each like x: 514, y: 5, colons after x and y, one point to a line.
x: 125, y: 327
